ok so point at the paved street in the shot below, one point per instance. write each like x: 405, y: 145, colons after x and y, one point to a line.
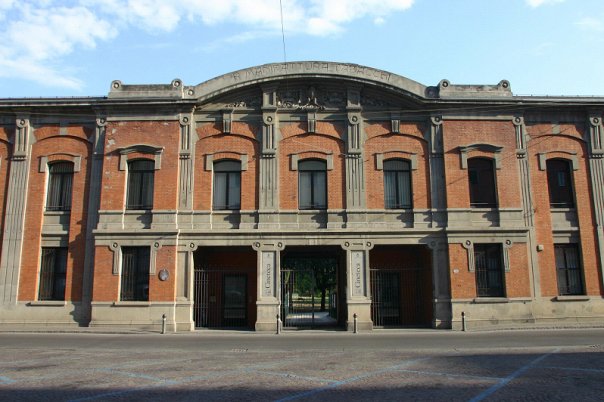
x: 538, y: 365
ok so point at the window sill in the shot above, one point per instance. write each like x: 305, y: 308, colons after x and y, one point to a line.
x: 48, y: 303
x: 571, y: 298
x: 490, y: 300
x: 57, y: 212
x: 131, y: 304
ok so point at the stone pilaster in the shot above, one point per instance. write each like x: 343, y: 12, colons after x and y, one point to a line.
x: 269, y: 161
x: 527, y: 202
x: 355, y: 176
x: 94, y: 202
x: 438, y: 193
x: 186, y: 168
x: 16, y: 200
x: 358, y: 294
x: 596, y: 166
x: 441, y: 280
x: 269, y: 284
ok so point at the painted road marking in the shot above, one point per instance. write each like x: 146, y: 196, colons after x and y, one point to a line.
x: 351, y: 380
x: 505, y: 381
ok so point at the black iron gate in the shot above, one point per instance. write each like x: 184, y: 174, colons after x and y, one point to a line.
x: 298, y: 289
x: 398, y: 297
x: 220, y: 299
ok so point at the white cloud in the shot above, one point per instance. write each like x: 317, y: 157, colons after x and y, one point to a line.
x: 591, y: 24
x: 42, y: 33
x: 537, y: 3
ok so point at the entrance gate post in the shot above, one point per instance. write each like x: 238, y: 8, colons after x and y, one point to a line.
x: 268, y: 274
x: 358, y: 295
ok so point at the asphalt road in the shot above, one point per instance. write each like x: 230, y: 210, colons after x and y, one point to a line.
x: 384, y: 365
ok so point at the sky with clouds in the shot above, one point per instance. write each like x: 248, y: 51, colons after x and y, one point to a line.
x: 77, y: 47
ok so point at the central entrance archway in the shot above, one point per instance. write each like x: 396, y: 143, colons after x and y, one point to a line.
x: 312, y: 292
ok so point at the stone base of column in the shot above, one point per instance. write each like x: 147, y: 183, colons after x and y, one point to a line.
x: 362, y: 309
x: 266, y: 316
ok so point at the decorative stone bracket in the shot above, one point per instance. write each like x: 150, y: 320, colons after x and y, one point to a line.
x: 143, y: 149
x: 60, y: 156
x: 210, y: 158
x: 488, y: 148
x: 572, y: 156
x: 295, y: 159
x: 116, y: 247
x: 469, y: 246
x: 412, y: 157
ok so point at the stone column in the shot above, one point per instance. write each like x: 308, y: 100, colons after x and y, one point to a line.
x: 358, y: 290
x: 596, y: 167
x: 269, y: 161
x: 441, y: 289
x: 186, y: 168
x: 94, y: 202
x: 269, y: 284
x: 438, y: 193
x: 16, y: 199
x: 355, y: 172
x: 527, y: 203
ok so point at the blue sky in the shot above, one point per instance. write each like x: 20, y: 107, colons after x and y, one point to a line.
x: 77, y: 47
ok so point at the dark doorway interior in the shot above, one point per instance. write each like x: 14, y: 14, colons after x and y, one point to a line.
x: 225, y: 288
x: 311, y: 291
x: 401, y: 286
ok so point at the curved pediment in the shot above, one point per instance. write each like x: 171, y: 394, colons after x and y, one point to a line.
x: 317, y: 77
x: 308, y: 70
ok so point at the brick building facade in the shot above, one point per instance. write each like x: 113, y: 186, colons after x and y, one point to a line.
x: 199, y: 202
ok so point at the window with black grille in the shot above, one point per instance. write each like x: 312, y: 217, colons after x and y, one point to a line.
x: 140, y: 184
x: 227, y: 185
x: 312, y: 184
x: 483, y: 192
x: 489, y: 270
x: 568, y: 268
x: 60, y: 181
x: 52, y: 273
x: 397, y: 184
x: 135, y: 274
x: 559, y: 182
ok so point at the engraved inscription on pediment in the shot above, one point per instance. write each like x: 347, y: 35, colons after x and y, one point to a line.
x: 311, y: 98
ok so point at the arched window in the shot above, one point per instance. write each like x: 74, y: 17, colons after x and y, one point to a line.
x: 227, y: 185
x: 483, y: 192
x: 140, y: 184
x: 559, y: 182
x: 312, y: 184
x: 60, y: 179
x: 397, y: 184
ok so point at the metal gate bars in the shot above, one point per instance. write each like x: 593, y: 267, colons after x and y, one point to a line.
x: 298, y: 288
x: 398, y: 297
x: 220, y: 298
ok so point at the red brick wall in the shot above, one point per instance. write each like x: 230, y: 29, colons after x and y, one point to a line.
x: 517, y: 281
x: 48, y: 141
x: 164, y: 290
x: 465, y: 132
x: 127, y: 133
x: 463, y: 282
x: 326, y: 140
x: 5, y: 150
x: 381, y: 141
x: 105, y: 284
x: 212, y: 141
x: 569, y: 140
